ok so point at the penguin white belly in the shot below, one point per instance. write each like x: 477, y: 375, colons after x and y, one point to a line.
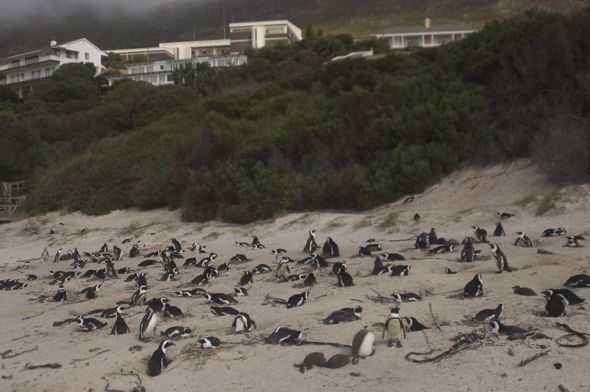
x: 367, y: 346
x: 394, y: 329
x: 151, y: 324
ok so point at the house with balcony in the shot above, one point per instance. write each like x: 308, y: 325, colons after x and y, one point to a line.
x: 144, y: 54
x: 256, y: 35
x: 24, y: 70
x: 426, y: 36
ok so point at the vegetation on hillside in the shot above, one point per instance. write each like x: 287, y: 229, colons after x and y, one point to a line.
x: 292, y: 131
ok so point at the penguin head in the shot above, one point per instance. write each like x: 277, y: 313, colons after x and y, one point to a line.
x: 394, y: 313
x: 495, y: 324
x: 166, y: 344
x: 548, y: 294
x: 120, y: 309
x: 312, y: 233
x: 186, y: 331
x: 493, y: 248
x: 478, y: 277
x: 97, y: 287
x: 451, y: 248
x: 520, y: 233
x: 475, y: 228
x: 357, y: 310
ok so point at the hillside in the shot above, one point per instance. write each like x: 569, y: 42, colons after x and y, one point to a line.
x: 119, y: 28
x: 471, y: 196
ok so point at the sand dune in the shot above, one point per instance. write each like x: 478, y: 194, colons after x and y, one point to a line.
x: 91, y: 361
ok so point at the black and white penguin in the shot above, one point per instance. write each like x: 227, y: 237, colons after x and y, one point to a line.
x: 57, y: 255
x: 241, y: 291
x: 406, y: 297
x: 120, y: 326
x: 138, y: 295
x: 90, y: 292
x: 158, y: 361
x: 224, y: 311
x: 509, y: 330
x: 569, y: 295
x: 468, y: 252
x: 554, y: 232
x: 394, y: 329
x: 330, y: 248
x: 399, y: 270
x: 311, y: 360
x: 504, y: 215
x: 523, y: 240
x: 209, y: 342
x: 148, y: 322
x: 363, y: 345
x: 176, y: 332
x: 555, y: 306
x: 297, y: 299
x: 90, y: 324
x: 239, y: 258
x: 243, y: 323
x: 223, y: 267
x: 284, y: 336
x: 310, y: 245
x: 480, y: 234
x: 337, y: 267
x: 220, y: 298
x: 190, y: 261
x: 474, y: 288
x: 379, y: 268
x: 261, y: 269
x: 206, y: 261
x: 61, y: 294
x: 295, y: 277
x: 499, y: 230
x: 368, y: 249
x: 573, y: 241
x: 501, y: 260
x: 310, y: 280
x: 580, y: 280
x: 344, y: 315
x: 134, y: 252
x: 422, y: 241
x: 392, y: 256
x: 200, y: 280
x: 411, y: 324
x: 489, y: 314
x: 345, y: 279
x: 141, y: 280
x: 246, y: 279
x: 256, y: 244
x: 442, y: 249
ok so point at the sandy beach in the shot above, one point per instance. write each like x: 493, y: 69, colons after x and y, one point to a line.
x: 98, y: 361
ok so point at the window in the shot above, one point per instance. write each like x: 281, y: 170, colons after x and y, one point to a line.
x: 86, y: 56
x: 55, y: 52
x: 14, y: 63
x: 241, y: 29
x: 36, y: 74
x: 71, y: 55
x: 276, y: 30
x: 161, y: 67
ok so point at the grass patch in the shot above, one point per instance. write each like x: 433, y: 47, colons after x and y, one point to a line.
x: 362, y: 224
x: 548, y: 202
x: 133, y: 230
x: 389, y: 221
x: 334, y: 224
x: 212, y: 236
x: 303, y: 219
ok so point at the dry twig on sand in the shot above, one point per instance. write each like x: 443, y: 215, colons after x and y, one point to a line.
x: 525, y: 362
x: 138, y: 384
x: 90, y: 357
x: 273, y: 300
x: 463, y: 342
x: 46, y: 365
x: 572, y: 333
x: 380, y: 298
x: 8, y: 354
x: 433, y: 316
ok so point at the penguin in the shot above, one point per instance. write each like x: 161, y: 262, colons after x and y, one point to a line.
x: 223, y: 267
x: 330, y: 248
x: 246, y: 278
x: 239, y: 258
x: 344, y: 315
x: 336, y: 361
x: 31, y: 277
x: 170, y: 310
x: 176, y: 244
x: 554, y: 232
x: 432, y: 237
x: 297, y: 299
x: 311, y: 360
x: 176, y: 332
x: 525, y: 291
x: 499, y: 230
x: 509, y: 330
x: 220, y: 298
x: 90, y: 324
x: 148, y: 262
x: 61, y: 295
x: 134, y: 252
x: 379, y: 268
x: 392, y: 256
x: 422, y: 241
x: 295, y: 277
x: 411, y: 324
x: 368, y: 249
x: 310, y: 280
x: 241, y: 291
x: 569, y: 295
x: 148, y: 323
x: 57, y: 255
x: 310, y: 246
x: 242, y: 243
x: 138, y: 294
x: 261, y: 269
x: 394, y: 329
x: 580, y: 280
x: 278, y: 251
x: 200, y: 280
x: 555, y: 306
x: 572, y: 242
x: 141, y: 280
x: 209, y: 342
x: 124, y: 270
x: 211, y: 272
x: 501, y: 260
x: 504, y: 215
x: 158, y: 361
x: 284, y: 336
x: 337, y: 267
x: 406, y: 297
x: 523, y: 240
x: 417, y: 217
x: 468, y: 252
x: 450, y: 271
x: 489, y: 314
x: 363, y: 345
x: 409, y: 199
x: 120, y: 326
x: 345, y: 279
x: 205, y: 262
x: 190, y: 261
x: 400, y: 270
x: 243, y: 323
x: 90, y: 292
x: 256, y: 244
x: 474, y: 288
x: 224, y: 311
x: 480, y: 234
x: 442, y: 249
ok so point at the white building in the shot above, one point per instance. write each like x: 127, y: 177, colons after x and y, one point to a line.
x: 24, y: 70
x: 425, y: 36
x: 195, y: 49
x: 256, y: 35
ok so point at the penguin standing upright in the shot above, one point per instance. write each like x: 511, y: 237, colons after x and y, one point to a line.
x: 330, y: 248
x: 499, y: 230
x: 138, y: 294
x: 468, y: 252
x: 474, y: 288
x: 363, y: 345
x: 149, y: 320
x: 344, y: 278
x: 310, y: 245
x: 120, y: 326
x: 501, y: 260
x: 158, y: 360
x: 394, y: 328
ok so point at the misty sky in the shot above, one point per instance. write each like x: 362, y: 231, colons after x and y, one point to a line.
x: 10, y: 9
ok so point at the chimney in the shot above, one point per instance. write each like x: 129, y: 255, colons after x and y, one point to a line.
x: 427, y: 23
x: 52, y: 43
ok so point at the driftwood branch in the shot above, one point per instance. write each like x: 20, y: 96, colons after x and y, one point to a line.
x: 381, y: 298
x: 433, y: 316
x: 10, y: 354
x: 45, y: 365
x: 582, y: 336
x: 562, y: 388
x: 526, y: 361
x: 93, y: 356
x: 272, y: 300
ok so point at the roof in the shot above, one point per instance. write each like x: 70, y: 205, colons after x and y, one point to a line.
x: 296, y: 29
x: 197, y: 44
x: 60, y: 46
x: 432, y: 29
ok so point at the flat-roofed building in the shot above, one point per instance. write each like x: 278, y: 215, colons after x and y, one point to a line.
x: 427, y: 36
x: 256, y: 35
x: 144, y: 54
x: 194, y: 49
